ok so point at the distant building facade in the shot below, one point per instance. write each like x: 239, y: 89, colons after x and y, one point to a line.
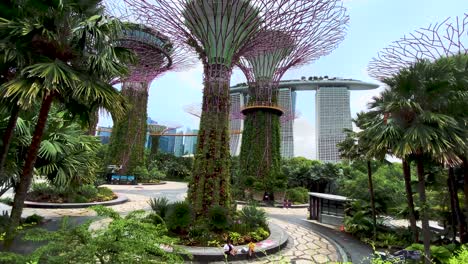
x: 190, y: 142
x: 179, y: 144
x: 333, y: 115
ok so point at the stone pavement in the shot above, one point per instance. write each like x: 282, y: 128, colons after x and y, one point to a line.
x: 304, y: 246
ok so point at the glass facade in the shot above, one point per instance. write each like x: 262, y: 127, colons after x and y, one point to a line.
x: 287, y: 101
x: 333, y: 115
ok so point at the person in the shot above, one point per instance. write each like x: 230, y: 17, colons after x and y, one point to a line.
x: 229, y: 248
x: 289, y: 203
x: 251, y: 248
x: 285, y: 203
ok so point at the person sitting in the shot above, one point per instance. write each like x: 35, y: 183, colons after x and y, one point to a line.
x: 229, y: 248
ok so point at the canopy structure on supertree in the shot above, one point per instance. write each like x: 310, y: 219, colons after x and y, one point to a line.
x: 450, y: 37
x: 154, y: 55
x: 217, y: 31
x: 314, y: 29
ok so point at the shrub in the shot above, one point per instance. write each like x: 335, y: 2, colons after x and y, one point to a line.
x: 125, y: 240
x: 178, y: 217
x: 298, y: 194
x: 154, y: 219
x: 461, y: 256
x: 33, y: 219
x: 6, y: 200
x: 262, y: 233
x: 42, y: 188
x: 88, y: 191
x: 157, y: 174
x: 159, y: 205
x: 105, y: 194
x: 253, y: 216
x: 218, y: 218
x: 235, y: 238
x: 440, y: 254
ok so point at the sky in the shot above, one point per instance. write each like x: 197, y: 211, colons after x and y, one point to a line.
x: 373, y: 25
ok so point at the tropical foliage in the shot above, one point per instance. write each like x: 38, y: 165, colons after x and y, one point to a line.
x: 123, y: 240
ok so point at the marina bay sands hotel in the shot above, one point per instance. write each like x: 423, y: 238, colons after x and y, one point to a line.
x: 332, y: 111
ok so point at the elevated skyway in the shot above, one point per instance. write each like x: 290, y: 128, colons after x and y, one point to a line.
x: 311, y: 85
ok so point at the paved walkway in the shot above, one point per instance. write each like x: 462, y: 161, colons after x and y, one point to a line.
x: 308, y: 242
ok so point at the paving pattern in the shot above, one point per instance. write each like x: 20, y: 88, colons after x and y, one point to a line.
x: 304, y: 245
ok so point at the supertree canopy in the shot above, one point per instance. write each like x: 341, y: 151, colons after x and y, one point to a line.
x: 217, y: 30
x: 433, y: 42
x: 313, y: 30
x: 155, y: 54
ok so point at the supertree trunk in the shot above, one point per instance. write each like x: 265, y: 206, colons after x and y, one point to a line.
x: 127, y: 143
x: 260, y: 154
x: 210, y: 183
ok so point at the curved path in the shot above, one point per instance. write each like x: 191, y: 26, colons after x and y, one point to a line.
x: 308, y: 242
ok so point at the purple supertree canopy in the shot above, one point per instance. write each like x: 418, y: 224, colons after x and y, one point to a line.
x: 217, y: 31
x: 312, y: 30
x: 155, y: 53
x: 450, y: 37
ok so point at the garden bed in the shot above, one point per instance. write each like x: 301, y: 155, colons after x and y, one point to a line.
x: 45, y: 193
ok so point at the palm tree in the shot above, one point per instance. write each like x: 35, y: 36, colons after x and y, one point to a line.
x: 72, y: 43
x: 428, y: 134
x: 386, y: 133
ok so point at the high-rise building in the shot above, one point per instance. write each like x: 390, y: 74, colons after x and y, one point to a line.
x: 166, y: 143
x: 235, y: 123
x: 333, y: 115
x: 104, y: 134
x: 179, y: 144
x: 190, y: 142
x: 287, y: 101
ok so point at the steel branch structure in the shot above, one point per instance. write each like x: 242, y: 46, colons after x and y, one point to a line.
x: 155, y: 54
x: 314, y: 29
x: 443, y: 39
x: 217, y: 31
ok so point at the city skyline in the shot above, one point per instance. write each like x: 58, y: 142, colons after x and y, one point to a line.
x: 372, y: 27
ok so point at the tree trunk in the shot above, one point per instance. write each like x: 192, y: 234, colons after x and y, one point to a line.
x: 409, y: 199
x: 28, y: 169
x: 465, y: 184
x: 372, y: 198
x: 211, y: 177
x: 93, y: 121
x: 453, y: 190
x: 423, y: 215
x: 7, y: 137
x: 453, y: 215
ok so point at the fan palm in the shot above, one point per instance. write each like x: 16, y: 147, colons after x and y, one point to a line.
x: 386, y: 134
x: 414, y: 126
x: 74, y: 58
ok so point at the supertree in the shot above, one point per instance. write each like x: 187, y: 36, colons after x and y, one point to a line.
x: 155, y: 54
x: 450, y: 37
x: 313, y: 30
x: 217, y: 31
x: 155, y: 133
